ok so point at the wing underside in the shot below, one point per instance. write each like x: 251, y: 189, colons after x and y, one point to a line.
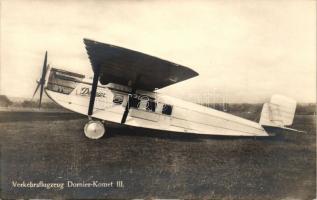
x: 128, y: 67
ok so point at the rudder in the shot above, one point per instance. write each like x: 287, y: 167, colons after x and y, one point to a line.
x: 279, y: 112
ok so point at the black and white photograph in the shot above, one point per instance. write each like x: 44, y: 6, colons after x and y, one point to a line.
x: 161, y: 99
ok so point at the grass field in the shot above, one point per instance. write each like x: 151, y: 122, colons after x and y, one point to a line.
x: 51, y: 147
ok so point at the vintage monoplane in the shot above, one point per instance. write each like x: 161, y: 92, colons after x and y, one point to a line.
x: 123, y: 91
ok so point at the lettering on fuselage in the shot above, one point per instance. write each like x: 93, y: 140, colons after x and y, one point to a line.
x: 85, y: 91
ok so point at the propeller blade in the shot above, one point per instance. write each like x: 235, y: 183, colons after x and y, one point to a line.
x: 41, y: 94
x: 42, y: 80
x: 44, y: 68
x: 37, y: 87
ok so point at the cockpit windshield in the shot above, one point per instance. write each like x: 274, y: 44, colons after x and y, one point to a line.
x: 63, y: 81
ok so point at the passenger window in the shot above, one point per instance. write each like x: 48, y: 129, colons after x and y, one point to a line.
x: 143, y: 104
x: 167, y: 109
x: 118, y: 99
x: 134, y: 102
x: 151, y: 106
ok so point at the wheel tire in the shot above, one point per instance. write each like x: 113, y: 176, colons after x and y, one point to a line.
x: 94, y: 129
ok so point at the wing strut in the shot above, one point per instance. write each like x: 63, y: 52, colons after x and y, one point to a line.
x: 129, y: 102
x: 93, y: 91
x: 126, y: 111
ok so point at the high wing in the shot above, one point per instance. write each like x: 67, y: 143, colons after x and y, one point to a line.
x: 127, y: 67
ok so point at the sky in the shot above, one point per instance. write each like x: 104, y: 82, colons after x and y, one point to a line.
x: 243, y: 50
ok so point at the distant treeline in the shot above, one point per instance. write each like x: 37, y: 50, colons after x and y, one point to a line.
x: 6, y: 102
x: 235, y: 108
x: 301, y: 109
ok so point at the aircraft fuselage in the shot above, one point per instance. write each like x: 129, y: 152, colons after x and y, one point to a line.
x: 148, y: 109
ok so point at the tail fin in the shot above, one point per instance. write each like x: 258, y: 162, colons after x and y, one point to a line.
x: 278, y: 113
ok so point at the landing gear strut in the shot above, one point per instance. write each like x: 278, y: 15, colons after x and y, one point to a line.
x: 94, y: 129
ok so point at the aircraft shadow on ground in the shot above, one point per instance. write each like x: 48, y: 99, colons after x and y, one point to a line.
x: 8, y: 116
x: 150, y: 133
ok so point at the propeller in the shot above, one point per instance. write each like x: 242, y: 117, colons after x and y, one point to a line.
x: 41, y: 82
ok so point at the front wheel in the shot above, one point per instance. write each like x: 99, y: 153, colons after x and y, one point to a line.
x: 94, y: 129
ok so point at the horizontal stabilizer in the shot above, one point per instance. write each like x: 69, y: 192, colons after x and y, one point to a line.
x: 270, y: 128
